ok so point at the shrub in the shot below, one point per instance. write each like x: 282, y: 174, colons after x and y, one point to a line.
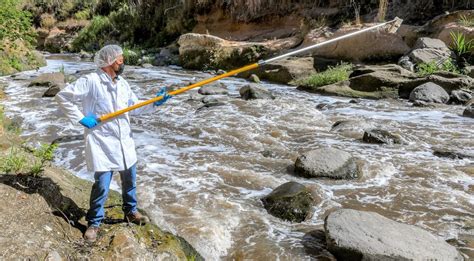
x: 466, y: 21
x: 332, y: 75
x: 83, y: 14
x: 93, y: 36
x: 425, y: 69
x: 47, y: 21
x: 130, y: 56
x: 15, y: 23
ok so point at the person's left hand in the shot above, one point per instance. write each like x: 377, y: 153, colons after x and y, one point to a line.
x: 165, y: 95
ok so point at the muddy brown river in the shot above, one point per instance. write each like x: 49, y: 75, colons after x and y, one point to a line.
x: 202, y: 172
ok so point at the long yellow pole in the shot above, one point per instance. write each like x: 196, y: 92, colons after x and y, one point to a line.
x: 397, y: 22
x: 181, y: 90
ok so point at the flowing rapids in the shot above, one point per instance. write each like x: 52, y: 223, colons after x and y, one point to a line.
x: 202, y: 172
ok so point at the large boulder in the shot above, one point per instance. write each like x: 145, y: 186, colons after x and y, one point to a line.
x: 426, y: 50
x: 253, y: 91
x: 460, y: 97
x: 371, y: 45
x: 284, y: 71
x: 360, y: 235
x: 198, y: 51
x: 449, y: 81
x: 372, y: 78
x: 291, y: 201
x: 368, y: 81
x: 429, y: 92
x: 48, y: 79
x: 327, y: 162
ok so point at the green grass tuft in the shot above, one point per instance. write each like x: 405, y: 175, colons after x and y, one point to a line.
x: 332, y: 75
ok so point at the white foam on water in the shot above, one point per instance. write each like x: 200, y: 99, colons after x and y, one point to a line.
x: 202, y: 174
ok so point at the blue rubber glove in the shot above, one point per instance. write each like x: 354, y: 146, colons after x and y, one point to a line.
x: 89, y: 121
x: 165, y: 95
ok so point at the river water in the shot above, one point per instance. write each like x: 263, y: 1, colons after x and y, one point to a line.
x: 202, y: 172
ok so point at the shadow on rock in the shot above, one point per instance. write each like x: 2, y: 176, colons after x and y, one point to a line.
x: 63, y: 206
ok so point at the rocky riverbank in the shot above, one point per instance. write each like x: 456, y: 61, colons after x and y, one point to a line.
x: 42, y: 215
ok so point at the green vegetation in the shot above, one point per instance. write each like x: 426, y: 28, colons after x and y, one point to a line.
x: 42, y: 155
x: 19, y: 161
x: 131, y: 57
x: 467, y: 21
x: 425, y: 69
x: 14, y: 162
x: 461, y: 46
x: 15, y: 24
x: 92, y: 37
x: 17, y: 39
x: 16, y: 159
x: 332, y: 75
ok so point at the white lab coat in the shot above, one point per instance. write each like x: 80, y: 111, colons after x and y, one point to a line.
x: 108, y: 146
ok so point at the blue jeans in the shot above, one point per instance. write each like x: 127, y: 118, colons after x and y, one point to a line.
x: 100, y: 190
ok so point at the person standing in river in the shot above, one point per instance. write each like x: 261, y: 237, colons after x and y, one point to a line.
x: 109, y: 145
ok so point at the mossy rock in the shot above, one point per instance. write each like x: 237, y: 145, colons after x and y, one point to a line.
x: 343, y: 89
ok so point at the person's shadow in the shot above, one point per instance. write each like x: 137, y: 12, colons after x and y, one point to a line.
x: 61, y: 205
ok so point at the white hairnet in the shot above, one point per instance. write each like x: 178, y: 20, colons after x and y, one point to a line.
x: 107, y: 55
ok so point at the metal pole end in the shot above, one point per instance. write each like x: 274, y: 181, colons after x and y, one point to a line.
x: 394, y: 25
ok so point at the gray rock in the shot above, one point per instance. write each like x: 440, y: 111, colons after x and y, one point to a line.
x: 327, y: 162
x: 284, y: 71
x: 53, y: 90
x: 212, y: 90
x: 424, y: 104
x: 352, y: 128
x: 429, y: 92
x: 214, y: 98
x: 253, y: 91
x: 428, y: 55
x: 314, y: 243
x: 147, y: 65
x: 379, y: 136
x: 406, y: 63
x: 291, y: 201
x: 469, y: 111
x: 210, y: 104
x: 460, y: 97
x: 195, y: 97
x: 449, y: 82
x: 360, y: 235
x: 426, y: 42
x: 254, y: 78
x: 452, y: 154
x: 376, y: 78
x: 351, y: 125
x: 48, y: 79
x: 322, y: 106
x: 133, y: 76
x: 469, y: 71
